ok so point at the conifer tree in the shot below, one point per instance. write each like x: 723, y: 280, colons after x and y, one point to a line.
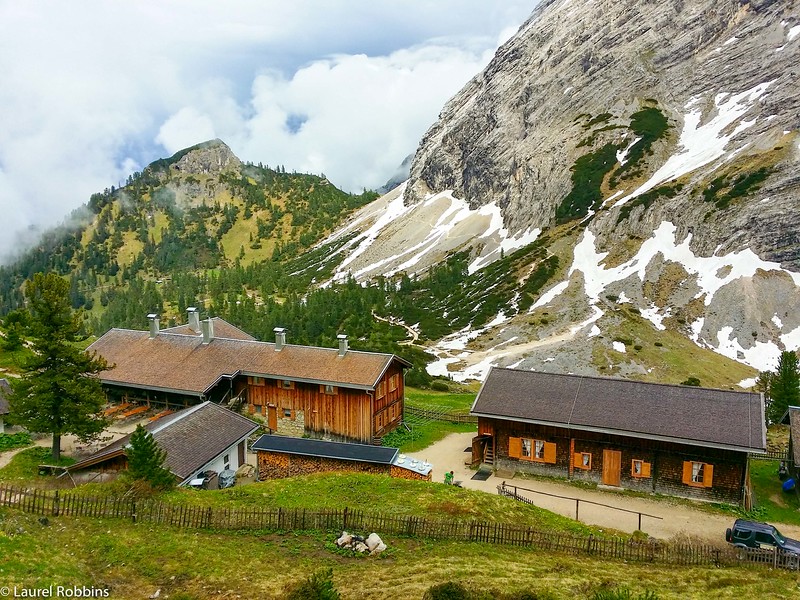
x: 785, y: 386
x: 58, y: 392
x: 146, y: 460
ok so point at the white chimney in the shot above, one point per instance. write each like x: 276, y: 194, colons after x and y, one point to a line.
x: 342, y: 344
x: 153, y: 317
x: 280, y: 338
x: 194, y: 319
x: 208, y: 330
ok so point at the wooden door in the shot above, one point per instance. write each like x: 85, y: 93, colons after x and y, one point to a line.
x: 242, y: 448
x: 612, y: 465
x: 272, y: 417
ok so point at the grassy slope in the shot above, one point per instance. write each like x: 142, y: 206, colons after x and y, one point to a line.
x: 135, y: 560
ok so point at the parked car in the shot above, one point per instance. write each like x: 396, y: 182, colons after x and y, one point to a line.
x: 752, y: 534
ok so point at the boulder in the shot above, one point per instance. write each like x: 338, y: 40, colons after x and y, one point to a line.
x: 378, y: 549
x: 373, y: 541
x: 361, y: 547
x: 345, y: 540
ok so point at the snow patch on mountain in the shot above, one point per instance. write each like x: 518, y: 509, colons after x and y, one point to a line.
x: 703, y: 143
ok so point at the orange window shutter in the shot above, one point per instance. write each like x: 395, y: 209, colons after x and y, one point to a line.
x: 645, y: 469
x: 514, y: 447
x: 687, y: 472
x: 708, y: 475
x: 577, y: 460
x: 549, y: 452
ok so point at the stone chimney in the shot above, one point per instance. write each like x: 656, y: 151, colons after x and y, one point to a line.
x: 280, y: 338
x: 343, y: 347
x: 208, y: 330
x: 153, y: 318
x: 194, y: 319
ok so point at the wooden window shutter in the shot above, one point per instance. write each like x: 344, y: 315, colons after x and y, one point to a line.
x: 514, y: 447
x: 577, y: 460
x: 708, y: 475
x: 549, y: 452
x: 645, y: 469
x: 687, y: 472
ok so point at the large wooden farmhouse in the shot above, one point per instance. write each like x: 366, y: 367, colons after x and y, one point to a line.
x: 331, y: 393
x: 669, y: 439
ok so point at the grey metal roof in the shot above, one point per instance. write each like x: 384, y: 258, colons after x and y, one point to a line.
x: 684, y: 414
x: 321, y: 449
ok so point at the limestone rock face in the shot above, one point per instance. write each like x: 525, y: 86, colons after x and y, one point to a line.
x: 513, y: 135
x: 208, y: 158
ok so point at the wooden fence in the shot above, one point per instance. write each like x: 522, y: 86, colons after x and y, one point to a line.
x: 59, y: 503
x: 439, y: 415
x: 776, y: 455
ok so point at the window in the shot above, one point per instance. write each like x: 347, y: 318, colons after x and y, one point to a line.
x: 258, y: 409
x: 539, y: 449
x: 393, y: 382
x: 697, y: 474
x: 532, y: 449
x: 227, y: 460
x: 583, y: 460
x: 255, y: 380
x: 287, y: 385
x: 381, y: 390
x: 331, y: 390
x: 287, y: 412
x: 526, y: 448
x: 640, y: 468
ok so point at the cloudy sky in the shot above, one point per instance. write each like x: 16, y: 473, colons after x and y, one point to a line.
x: 92, y: 91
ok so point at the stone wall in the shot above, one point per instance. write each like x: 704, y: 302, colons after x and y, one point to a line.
x: 294, y: 427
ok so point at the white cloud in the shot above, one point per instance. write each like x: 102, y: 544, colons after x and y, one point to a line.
x: 90, y: 92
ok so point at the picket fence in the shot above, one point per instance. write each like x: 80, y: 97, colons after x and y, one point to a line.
x: 59, y: 503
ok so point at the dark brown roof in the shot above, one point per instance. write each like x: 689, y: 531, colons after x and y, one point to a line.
x: 222, y: 329
x: 5, y: 390
x: 192, y: 438
x: 684, y: 414
x: 174, y: 362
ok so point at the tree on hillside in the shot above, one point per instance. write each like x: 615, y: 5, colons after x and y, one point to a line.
x: 784, y: 388
x: 146, y: 460
x: 58, y: 392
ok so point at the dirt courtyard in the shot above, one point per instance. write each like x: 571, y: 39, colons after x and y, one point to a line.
x: 677, y: 518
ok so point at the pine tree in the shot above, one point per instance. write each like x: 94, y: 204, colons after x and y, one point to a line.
x: 146, y: 460
x: 785, y: 386
x: 58, y: 392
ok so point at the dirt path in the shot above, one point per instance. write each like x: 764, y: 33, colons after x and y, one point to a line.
x: 70, y: 445
x: 676, y: 519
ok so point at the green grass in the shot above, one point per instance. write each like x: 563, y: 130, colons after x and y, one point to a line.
x: 9, y: 441
x: 13, y: 361
x: 772, y: 504
x: 24, y: 467
x: 136, y: 560
x: 459, y: 402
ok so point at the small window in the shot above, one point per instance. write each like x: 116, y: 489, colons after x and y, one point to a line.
x: 583, y: 460
x: 331, y: 390
x: 258, y: 409
x: 698, y: 470
x: 393, y: 382
x: 526, y: 448
x: 287, y: 412
x: 640, y: 468
x: 381, y: 389
x: 539, y: 445
x: 227, y: 460
x: 287, y: 385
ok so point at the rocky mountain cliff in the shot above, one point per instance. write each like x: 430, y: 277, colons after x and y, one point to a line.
x: 652, y: 147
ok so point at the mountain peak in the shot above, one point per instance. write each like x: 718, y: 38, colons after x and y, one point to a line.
x: 209, y: 157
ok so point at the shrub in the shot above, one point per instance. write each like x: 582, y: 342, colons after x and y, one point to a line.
x: 14, y: 440
x: 693, y: 381
x: 623, y: 594
x: 447, y: 591
x: 319, y: 586
x: 658, y: 344
x: 439, y: 386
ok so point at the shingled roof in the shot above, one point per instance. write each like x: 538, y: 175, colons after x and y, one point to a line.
x: 192, y: 438
x: 222, y: 329
x: 183, y: 363
x: 5, y: 390
x: 683, y: 414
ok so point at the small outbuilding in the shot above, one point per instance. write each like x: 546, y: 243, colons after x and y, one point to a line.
x: 280, y: 457
x: 202, y: 438
x: 669, y: 439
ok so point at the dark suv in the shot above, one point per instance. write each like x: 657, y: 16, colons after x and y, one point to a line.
x: 751, y: 534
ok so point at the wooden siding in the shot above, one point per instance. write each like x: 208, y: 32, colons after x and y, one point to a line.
x: 662, y: 463
x: 389, y: 400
